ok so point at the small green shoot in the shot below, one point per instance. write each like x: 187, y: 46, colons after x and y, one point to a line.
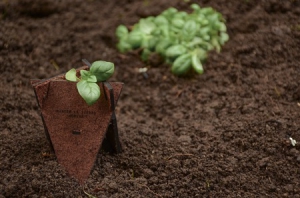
x: 87, y: 81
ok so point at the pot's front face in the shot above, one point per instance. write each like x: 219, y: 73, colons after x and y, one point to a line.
x: 76, y: 130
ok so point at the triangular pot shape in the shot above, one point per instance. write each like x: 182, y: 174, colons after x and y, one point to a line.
x: 75, y: 130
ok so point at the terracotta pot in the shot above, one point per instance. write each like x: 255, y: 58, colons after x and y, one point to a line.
x: 75, y: 130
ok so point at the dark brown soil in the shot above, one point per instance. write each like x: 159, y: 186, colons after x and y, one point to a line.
x: 221, y: 134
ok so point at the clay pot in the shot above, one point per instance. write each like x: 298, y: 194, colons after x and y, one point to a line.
x: 75, y: 130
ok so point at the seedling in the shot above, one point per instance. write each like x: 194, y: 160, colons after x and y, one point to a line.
x: 87, y: 81
x: 182, y: 39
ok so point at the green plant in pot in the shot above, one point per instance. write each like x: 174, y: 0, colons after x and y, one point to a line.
x: 87, y: 85
x: 78, y: 113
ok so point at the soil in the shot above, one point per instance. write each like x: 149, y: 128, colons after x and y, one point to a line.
x: 221, y: 134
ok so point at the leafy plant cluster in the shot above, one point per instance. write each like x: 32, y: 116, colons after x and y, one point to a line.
x: 182, y: 39
x: 87, y: 81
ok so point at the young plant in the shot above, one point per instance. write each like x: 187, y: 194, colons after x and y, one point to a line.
x: 182, y: 39
x: 87, y: 81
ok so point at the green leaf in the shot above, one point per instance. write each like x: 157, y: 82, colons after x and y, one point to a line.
x: 145, y: 41
x: 201, y: 53
x: 157, y: 32
x: 197, y: 66
x: 123, y: 46
x: 175, y: 51
x: 182, y: 64
x: 199, y: 43
x: 169, y: 13
x: 213, y: 18
x: 207, y: 11
x: 89, y: 91
x: 162, y: 46
x: 222, y: 27
x: 146, y: 26
x: 71, y: 75
x: 215, y: 43
x: 204, y: 22
x: 151, y: 43
x: 181, y: 15
x: 223, y: 38
x: 102, y: 70
x: 92, y: 78
x: 121, y: 32
x: 135, y: 39
x: 88, y: 76
x: 145, y: 54
x: 161, y: 20
x: 189, y: 30
x: 195, y: 7
x: 206, y: 37
x: 178, y: 23
x: 204, y: 31
x: 165, y: 31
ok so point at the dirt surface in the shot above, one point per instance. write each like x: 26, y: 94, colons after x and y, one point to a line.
x: 221, y: 134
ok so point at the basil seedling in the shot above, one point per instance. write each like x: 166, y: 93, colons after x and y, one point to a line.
x: 87, y: 81
x: 182, y: 39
